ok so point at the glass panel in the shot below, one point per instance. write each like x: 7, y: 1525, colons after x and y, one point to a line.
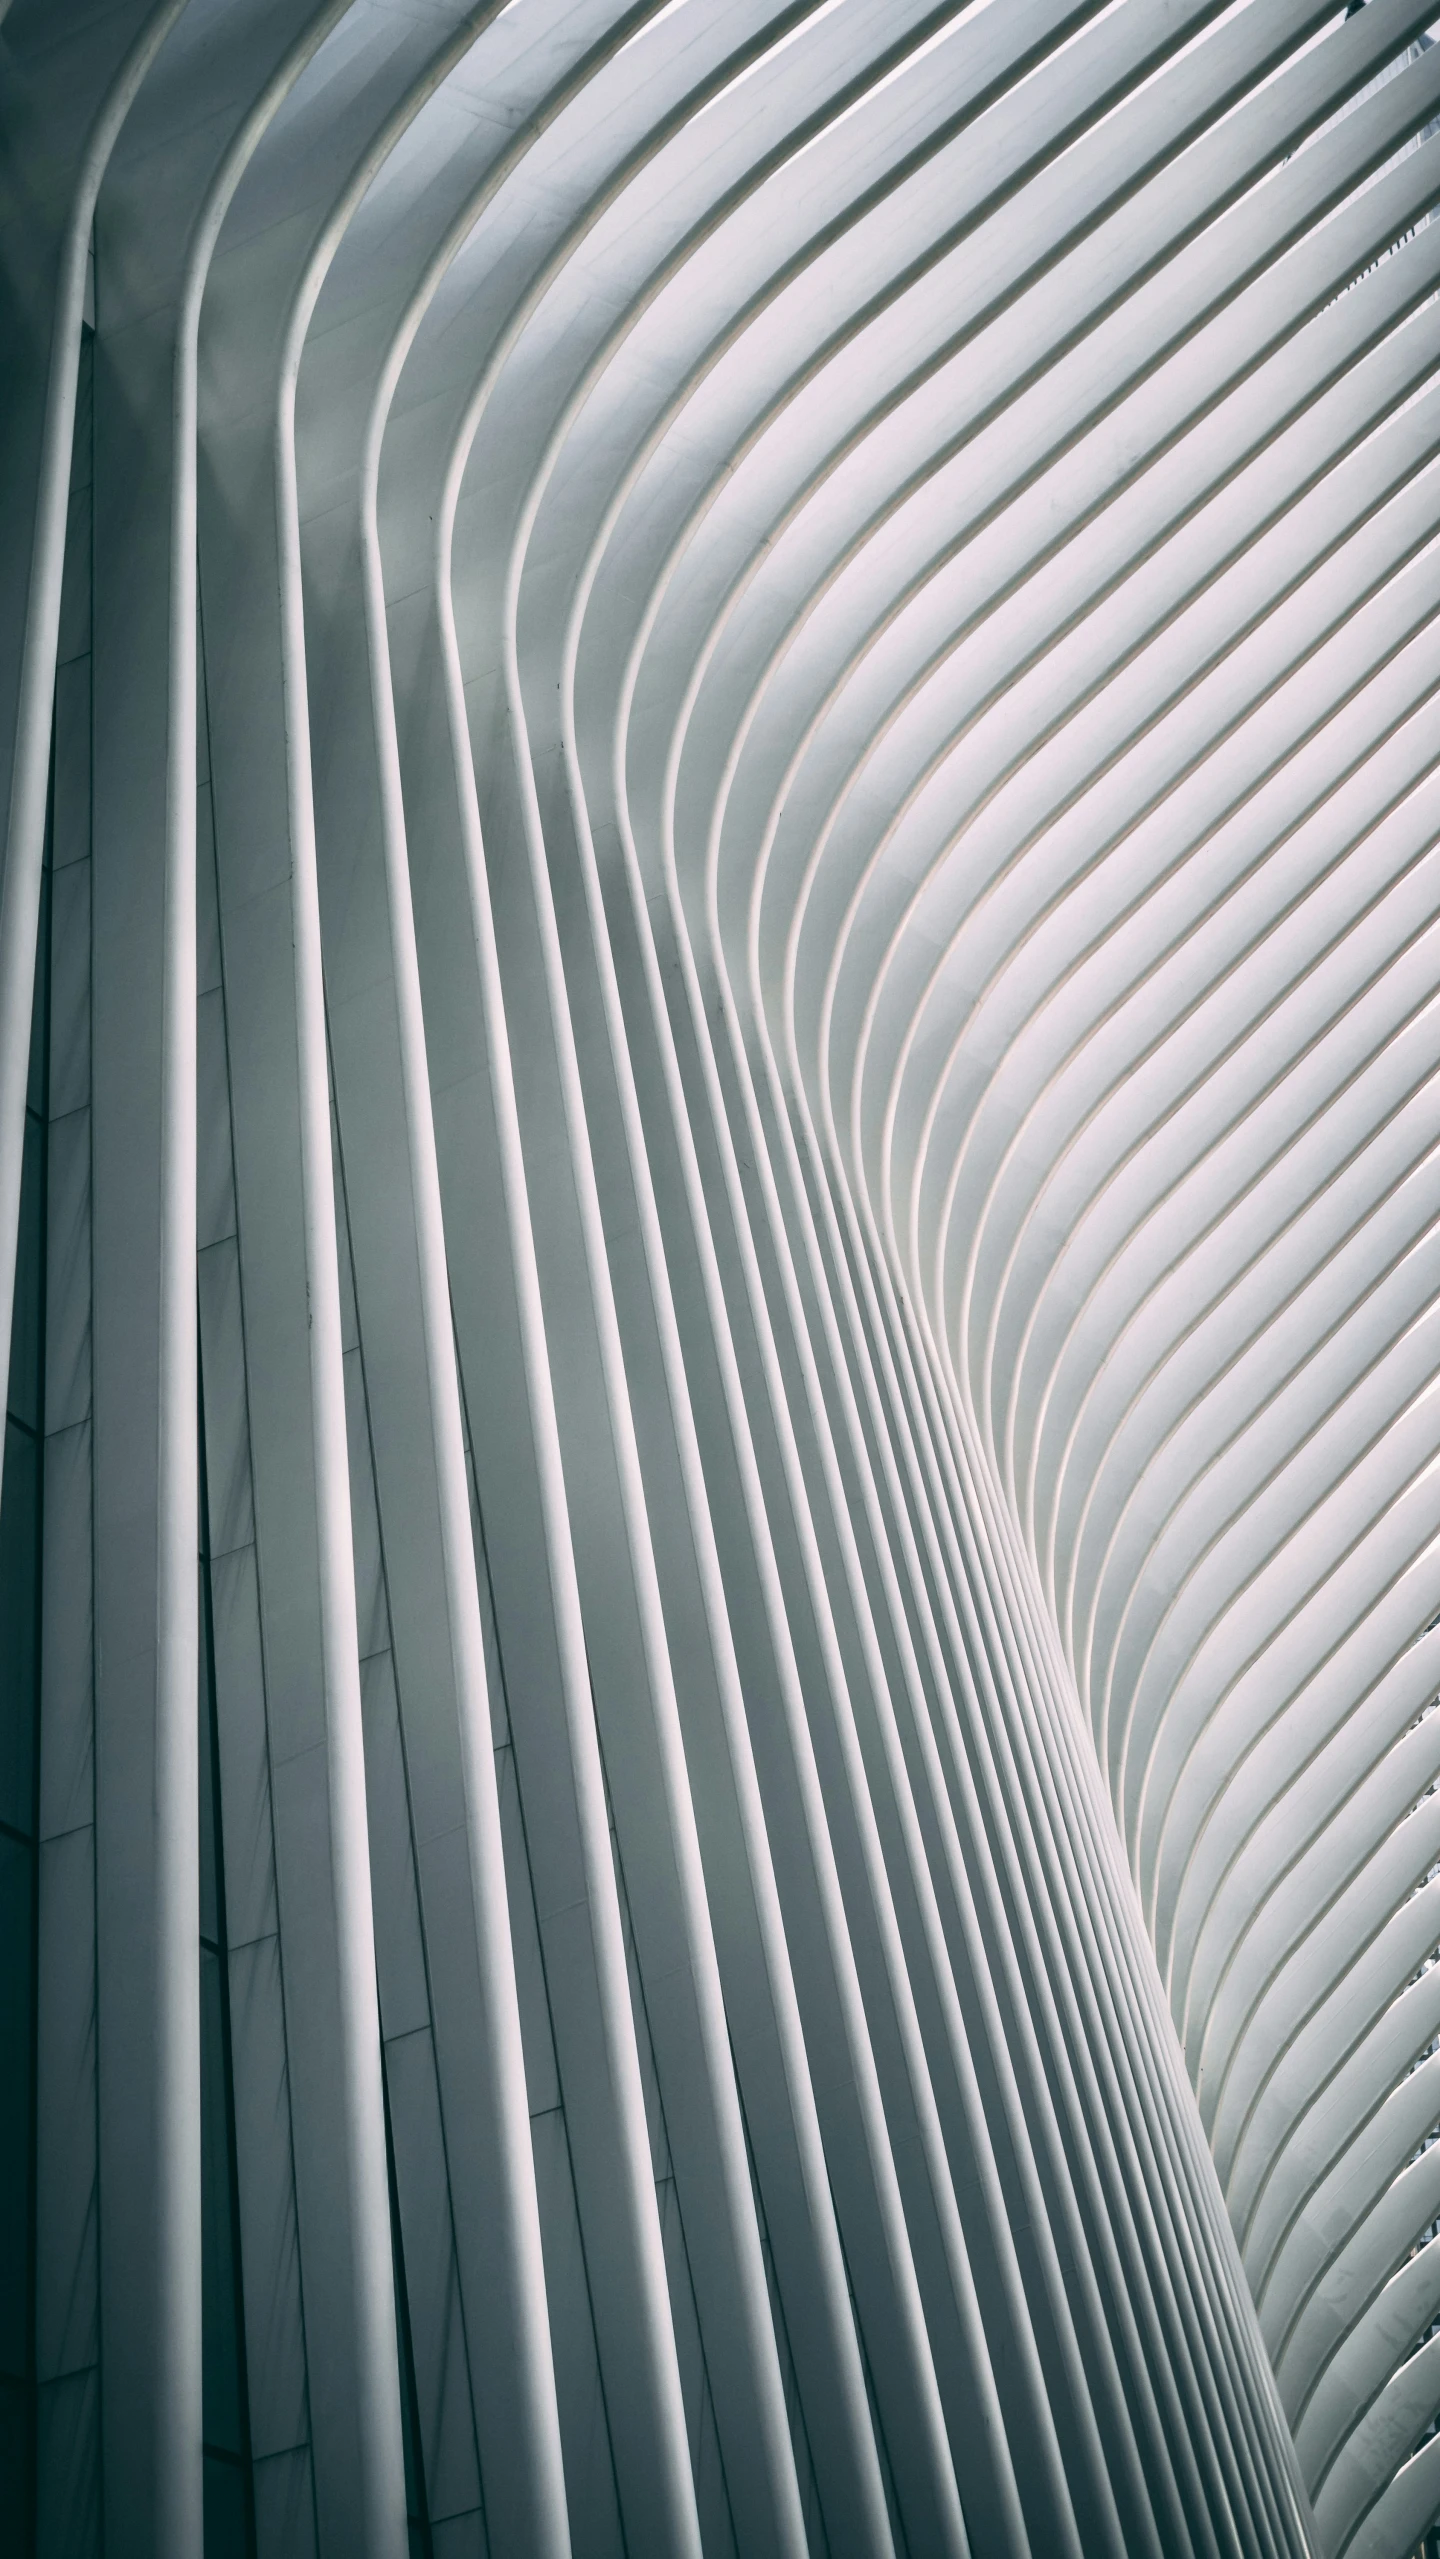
x: 227, y: 2516
x: 415, y: 2506
x: 23, y: 1399
x: 223, y: 2419
x: 19, y: 1557
x: 209, y: 1793
x: 17, y: 2475
x: 16, y: 2060
x: 40, y: 1009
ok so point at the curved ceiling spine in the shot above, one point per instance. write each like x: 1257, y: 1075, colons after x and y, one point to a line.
x: 730, y: 755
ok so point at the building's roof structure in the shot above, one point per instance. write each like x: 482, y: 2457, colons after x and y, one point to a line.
x: 727, y: 715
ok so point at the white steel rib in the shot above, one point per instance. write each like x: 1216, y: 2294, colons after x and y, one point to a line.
x: 723, y: 798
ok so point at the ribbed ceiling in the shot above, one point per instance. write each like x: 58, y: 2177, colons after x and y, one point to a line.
x: 869, y: 573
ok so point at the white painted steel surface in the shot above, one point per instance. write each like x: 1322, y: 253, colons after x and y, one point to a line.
x: 734, y: 735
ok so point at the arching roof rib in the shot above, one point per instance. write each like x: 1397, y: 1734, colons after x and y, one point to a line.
x: 813, y: 636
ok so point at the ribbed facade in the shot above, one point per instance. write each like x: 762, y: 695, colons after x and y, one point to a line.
x: 718, y: 1233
